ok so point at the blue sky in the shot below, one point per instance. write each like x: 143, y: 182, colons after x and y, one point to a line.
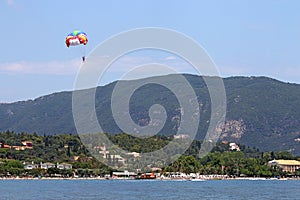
x: 244, y: 38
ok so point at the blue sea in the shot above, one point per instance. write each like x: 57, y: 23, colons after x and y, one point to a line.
x: 149, y: 189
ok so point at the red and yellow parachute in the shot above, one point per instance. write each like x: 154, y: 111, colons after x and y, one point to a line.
x: 76, y: 37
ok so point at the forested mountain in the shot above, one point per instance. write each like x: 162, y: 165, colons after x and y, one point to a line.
x: 261, y: 112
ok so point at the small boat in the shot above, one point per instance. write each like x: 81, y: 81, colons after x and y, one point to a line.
x: 147, y: 176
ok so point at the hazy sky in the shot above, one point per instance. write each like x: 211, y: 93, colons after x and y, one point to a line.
x: 244, y: 38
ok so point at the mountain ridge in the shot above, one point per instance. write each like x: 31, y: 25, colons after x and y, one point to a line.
x: 261, y: 112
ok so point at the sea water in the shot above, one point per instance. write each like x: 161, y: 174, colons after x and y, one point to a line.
x: 147, y: 189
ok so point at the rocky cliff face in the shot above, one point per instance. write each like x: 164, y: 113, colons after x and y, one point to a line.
x: 233, y: 130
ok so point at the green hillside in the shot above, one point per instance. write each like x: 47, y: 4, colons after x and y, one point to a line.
x: 261, y: 112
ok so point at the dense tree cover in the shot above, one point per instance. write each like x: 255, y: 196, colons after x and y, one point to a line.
x: 65, y: 148
x: 53, y: 148
x: 249, y: 163
x: 137, y: 144
x: 269, y: 109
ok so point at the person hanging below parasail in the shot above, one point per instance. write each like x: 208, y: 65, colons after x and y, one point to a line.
x: 76, y: 38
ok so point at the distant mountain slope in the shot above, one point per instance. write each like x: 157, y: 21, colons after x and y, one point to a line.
x: 261, y: 112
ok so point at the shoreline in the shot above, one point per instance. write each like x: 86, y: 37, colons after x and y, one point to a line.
x: 156, y: 179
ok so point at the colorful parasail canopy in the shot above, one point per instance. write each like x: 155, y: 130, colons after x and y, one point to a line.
x: 75, y: 38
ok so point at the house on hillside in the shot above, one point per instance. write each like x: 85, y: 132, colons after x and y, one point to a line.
x: 47, y: 165
x: 286, y: 165
x: 63, y: 166
x: 117, y: 159
x: 27, y: 144
x: 234, y: 147
x: 133, y: 155
x: 30, y: 165
x: 6, y: 146
x: 102, y: 151
x: 181, y: 136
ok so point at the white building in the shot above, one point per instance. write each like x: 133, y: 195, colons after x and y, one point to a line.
x: 181, y: 136
x: 63, y: 166
x: 30, y: 165
x: 286, y: 165
x: 234, y: 147
x: 47, y: 165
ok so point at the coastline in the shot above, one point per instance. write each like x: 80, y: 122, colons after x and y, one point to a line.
x: 156, y: 179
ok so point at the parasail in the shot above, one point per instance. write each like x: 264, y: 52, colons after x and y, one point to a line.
x: 76, y: 37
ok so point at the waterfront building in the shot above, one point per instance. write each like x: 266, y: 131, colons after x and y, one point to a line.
x: 286, y: 165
